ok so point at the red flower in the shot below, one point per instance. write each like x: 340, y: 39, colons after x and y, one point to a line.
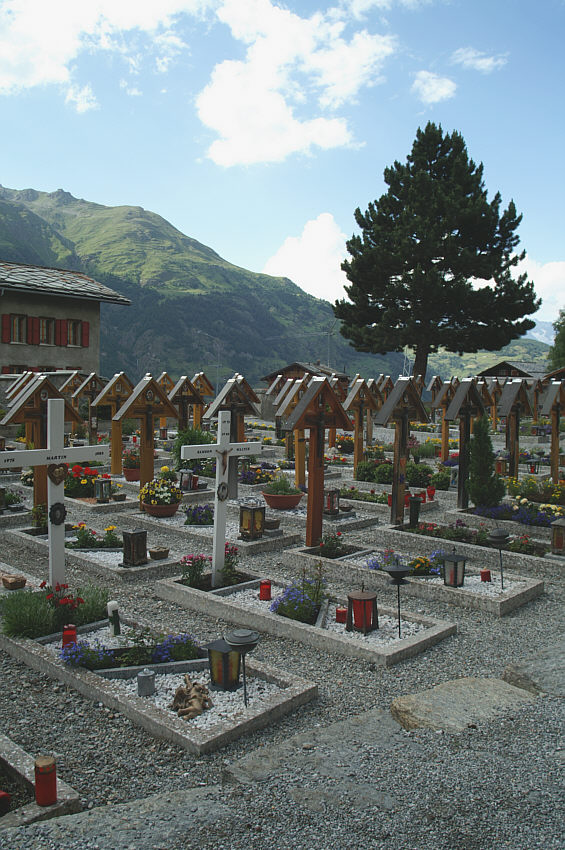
x: 43, y: 584
x: 338, y: 534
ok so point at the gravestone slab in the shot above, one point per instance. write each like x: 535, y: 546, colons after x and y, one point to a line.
x: 327, y: 755
x: 453, y: 705
x: 543, y: 672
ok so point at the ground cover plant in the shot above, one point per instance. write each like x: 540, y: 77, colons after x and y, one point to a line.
x: 302, y: 599
x: 79, y: 483
x: 144, y: 647
x: 87, y: 538
x: 461, y: 532
x: 200, y: 514
x: 34, y: 614
x: 363, y: 495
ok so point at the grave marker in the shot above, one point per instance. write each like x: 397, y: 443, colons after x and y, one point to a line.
x: 224, y: 450
x: 54, y: 457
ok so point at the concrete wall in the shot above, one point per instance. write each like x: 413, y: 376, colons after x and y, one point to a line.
x: 57, y: 356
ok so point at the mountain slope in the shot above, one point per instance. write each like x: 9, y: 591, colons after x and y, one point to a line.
x: 191, y: 309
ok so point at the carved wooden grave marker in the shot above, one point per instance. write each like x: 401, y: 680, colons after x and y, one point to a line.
x: 116, y: 391
x: 467, y: 403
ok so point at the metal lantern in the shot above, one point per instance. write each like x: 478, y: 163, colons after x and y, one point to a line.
x: 224, y: 664
x: 251, y: 521
x: 397, y: 573
x: 499, y: 537
x: 102, y: 489
x: 331, y: 502
x: 558, y: 536
x: 453, y: 569
x: 362, y: 614
x: 242, y: 641
x: 163, y: 433
x: 185, y: 482
x: 135, y: 547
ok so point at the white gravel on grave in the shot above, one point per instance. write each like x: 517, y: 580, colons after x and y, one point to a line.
x: 386, y: 633
x: 228, y: 706
x: 472, y: 583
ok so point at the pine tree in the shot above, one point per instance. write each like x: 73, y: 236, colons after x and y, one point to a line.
x: 422, y: 246
x: 486, y: 488
x: 557, y: 351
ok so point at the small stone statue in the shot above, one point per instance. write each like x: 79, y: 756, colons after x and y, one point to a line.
x: 113, y: 618
x: 191, y: 699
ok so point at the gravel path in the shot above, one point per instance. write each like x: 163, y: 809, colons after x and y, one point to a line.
x: 495, y: 786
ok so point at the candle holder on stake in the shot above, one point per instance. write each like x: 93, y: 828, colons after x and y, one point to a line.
x: 242, y: 641
x: 499, y: 537
x: 397, y: 573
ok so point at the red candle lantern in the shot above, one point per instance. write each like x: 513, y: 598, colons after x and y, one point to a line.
x: 69, y: 634
x: 362, y: 614
x: 340, y: 614
x: 485, y: 575
x: 431, y: 491
x: 5, y: 800
x: 265, y: 590
x: 45, y: 781
x: 389, y: 499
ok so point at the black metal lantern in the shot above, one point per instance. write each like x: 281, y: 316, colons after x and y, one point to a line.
x: 331, y: 502
x: 242, y: 641
x: 251, y: 521
x: 499, y: 537
x: 224, y: 663
x: 397, y: 573
x: 135, y: 547
x: 558, y: 536
x: 453, y: 569
x: 102, y: 489
x: 185, y: 482
x: 2, y: 499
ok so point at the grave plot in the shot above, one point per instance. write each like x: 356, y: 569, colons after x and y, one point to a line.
x: 515, y: 529
x: 475, y: 593
x: 271, y: 693
x: 241, y: 604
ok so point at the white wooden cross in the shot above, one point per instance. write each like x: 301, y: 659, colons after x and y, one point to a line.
x: 55, y: 453
x: 222, y: 449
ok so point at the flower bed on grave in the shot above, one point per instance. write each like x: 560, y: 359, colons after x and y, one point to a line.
x: 459, y: 531
x: 87, y: 539
x: 539, y: 492
x: 35, y: 613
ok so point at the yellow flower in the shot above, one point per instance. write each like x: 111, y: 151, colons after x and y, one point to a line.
x: 164, y: 469
x: 83, y: 481
x: 110, y: 528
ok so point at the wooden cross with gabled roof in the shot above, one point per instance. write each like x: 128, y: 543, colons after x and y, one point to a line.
x: 443, y: 398
x: 318, y: 409
x: 373, y: 388
x: 287, y: 405
x: 466, y: 403
x: 403, y: 405
x: 359, y: 400
x: 206, y: 390
x: 553, y: 404
x: 90, y: 388
x: 182, y: 395
x: 233, y: 397
x: 514, y: 401
x: 30, y: 409
x: 116, y: 391
x: 146, y: 401
x: 166, y: 382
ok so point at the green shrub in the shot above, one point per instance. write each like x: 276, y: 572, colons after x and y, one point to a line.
x: 441, y: 479
x: 190, y: 437
x: 485, y: 487
x: 418, y: 474
x: 366, y: 470
x: 34, y: 614
x: 383, y: 473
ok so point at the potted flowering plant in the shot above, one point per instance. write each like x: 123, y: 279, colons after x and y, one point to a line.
x: 160, y: 497
x: 280, y: 494
x: 131, y: 461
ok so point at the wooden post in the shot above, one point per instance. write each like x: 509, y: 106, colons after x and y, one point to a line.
x: 299, y: 458
x: 444, y: 433
x: 147, y: 449
x: 512, y: 430
x: 332, y: 434
x: 554, y: 451
x: 369, y: 428
x: 465, y: 421
x: 315, y: 485
x: 358, y: 437
x: 401, y: 432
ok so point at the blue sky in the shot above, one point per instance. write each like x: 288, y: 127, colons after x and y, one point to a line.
x: 258, y: 127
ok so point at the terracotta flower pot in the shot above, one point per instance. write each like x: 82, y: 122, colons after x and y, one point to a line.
x: 131, y: 474
x: 161, y: 510
x: 282, y: 502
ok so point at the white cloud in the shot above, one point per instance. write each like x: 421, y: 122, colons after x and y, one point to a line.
x: 313, y: 259
x: 129, y: 90
x: 40, y: 40
x: 254, y: 104
x: 473, y: 59
x: 430, y: 88
x: 82, y: 99
x: 549, y: 284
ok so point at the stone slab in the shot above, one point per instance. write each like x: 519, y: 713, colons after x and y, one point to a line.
x: 453, y: 705
x: 421, y: 588
x: 220, y: 606
x: 294, y: 692
x: 329, y: 753
x: 543, y: 672
x: 22, y: 766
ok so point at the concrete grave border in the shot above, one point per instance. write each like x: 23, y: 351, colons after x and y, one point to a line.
x: 421, y: 588
x: 162, y: 724
x: 21, y: 766
x: 215, y: 604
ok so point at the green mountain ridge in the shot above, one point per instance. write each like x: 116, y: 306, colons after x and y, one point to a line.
x: 191, y: 309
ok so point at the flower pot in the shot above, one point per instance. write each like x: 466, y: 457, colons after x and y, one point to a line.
x: 158, y: 553
x: 431, y: 491
x: 131, y: 474
x: 119, y: 497
x: 161, y: 510
x: 282, y: 502
x: 12, y: 582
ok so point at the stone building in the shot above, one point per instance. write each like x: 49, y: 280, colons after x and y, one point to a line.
x: 50, y: 319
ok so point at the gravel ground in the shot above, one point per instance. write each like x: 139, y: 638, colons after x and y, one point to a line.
x: 499, y: 785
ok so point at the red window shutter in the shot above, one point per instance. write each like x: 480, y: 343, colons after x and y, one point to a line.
x: 5, y: 370
x: 64, y: 331
x: 29, y: 330
x: 35, y: 331
x: 5, y: 327
x: 58, y: 324
x: 85, y: 330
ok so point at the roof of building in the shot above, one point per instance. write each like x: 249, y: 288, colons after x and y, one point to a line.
x: 17, y: 277
x: 307, y: 368
x: 523, y: 368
